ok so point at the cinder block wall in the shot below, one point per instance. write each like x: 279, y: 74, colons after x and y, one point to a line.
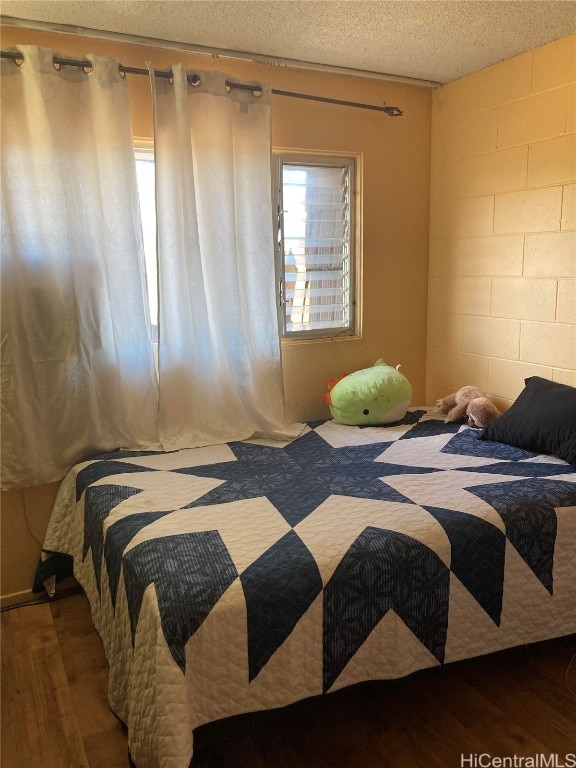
x: 502, y: 273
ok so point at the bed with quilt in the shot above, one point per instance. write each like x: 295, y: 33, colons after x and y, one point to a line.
x: 249, y: 575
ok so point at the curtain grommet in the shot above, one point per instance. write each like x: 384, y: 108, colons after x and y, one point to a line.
x: 195, y: 80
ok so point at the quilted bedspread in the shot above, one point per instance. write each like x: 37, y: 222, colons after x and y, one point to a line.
x: 248, y: 575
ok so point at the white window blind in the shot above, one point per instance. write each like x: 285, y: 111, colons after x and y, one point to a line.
x: 315, y: 246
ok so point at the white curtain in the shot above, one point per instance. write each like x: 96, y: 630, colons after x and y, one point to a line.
x: 219, y: 349
x: 77, y: 369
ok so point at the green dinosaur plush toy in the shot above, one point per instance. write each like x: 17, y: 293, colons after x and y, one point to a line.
x: 377, y: 395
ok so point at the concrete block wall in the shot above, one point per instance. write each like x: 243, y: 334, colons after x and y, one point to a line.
x: 502, y: 270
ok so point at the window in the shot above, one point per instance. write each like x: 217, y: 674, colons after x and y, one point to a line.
x: 147, y: 193
x: 316, y: 213
x: 316, y: 244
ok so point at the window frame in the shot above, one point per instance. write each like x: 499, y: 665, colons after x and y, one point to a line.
x: 280, y: 158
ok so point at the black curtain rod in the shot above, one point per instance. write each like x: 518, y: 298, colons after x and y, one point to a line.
x: 194, y: 79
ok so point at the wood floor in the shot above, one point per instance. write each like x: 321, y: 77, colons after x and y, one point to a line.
x: 55, y: 713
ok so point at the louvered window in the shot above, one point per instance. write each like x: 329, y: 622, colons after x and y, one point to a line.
x: 145, y: 173
x: 316, y: 204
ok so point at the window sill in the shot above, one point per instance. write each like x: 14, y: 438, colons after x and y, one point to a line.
x: 288, y: 342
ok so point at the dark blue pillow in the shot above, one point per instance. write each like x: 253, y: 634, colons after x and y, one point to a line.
x: 542, y: 419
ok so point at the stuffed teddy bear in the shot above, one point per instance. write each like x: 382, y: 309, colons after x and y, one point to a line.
x: 371, y: 396
x: 471, y: 403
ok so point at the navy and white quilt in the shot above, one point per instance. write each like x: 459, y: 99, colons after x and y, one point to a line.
x: 248, y: 575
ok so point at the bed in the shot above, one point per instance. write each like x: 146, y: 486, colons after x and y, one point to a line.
x: 246, y: 576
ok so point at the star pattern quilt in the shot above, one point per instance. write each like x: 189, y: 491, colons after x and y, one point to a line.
x: 249, y: 575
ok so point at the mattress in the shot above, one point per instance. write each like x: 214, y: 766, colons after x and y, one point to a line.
x: 249, y: 575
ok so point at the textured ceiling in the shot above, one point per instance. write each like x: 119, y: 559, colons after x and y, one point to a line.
x: 433, y: 40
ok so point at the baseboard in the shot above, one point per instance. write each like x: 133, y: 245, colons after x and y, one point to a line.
x: 64, y: 588
x: 16, y: 598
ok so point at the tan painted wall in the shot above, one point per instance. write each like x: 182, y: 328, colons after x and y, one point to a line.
x: 24, y: 518
x: 502, y: 287
x: 395, y: 159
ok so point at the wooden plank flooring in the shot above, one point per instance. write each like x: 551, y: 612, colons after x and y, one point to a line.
x: 39, y: 726
x: 55, y: 713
